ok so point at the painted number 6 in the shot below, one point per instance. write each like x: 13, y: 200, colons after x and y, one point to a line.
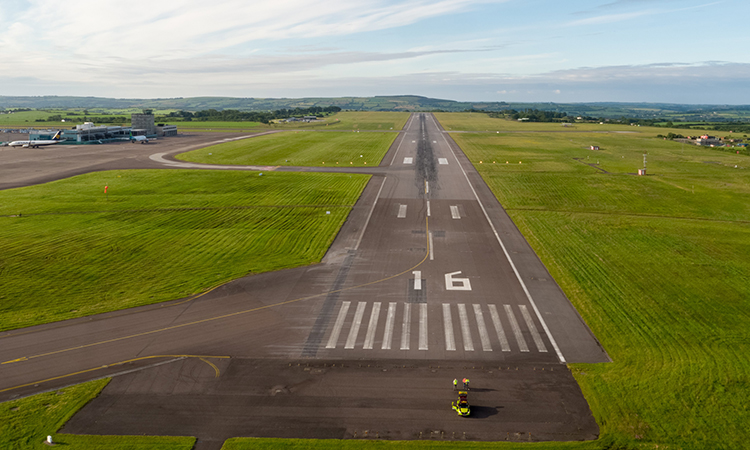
x: 456, y: 284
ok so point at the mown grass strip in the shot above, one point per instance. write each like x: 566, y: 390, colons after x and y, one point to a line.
x: 656, y: 265
x: 298, y: 148
x: 160, y: 235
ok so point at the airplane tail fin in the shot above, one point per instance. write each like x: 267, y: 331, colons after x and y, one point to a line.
x: 56, y: 137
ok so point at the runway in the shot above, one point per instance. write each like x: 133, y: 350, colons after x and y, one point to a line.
x: 427, y: 271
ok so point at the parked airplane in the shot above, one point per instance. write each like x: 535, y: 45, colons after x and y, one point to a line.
x: 36, y: 143
x: 141, y: 139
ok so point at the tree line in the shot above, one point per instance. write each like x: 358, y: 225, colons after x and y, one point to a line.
x: 233, y: 115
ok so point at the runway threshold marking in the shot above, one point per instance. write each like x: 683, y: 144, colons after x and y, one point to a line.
x: 504, y: 346
x: 372, y: 326
x: 450, y: 339
x: 463, y: 318
x: 406, y: 327
x: 516, y: 329
x: 417, y: 280
x: 532, y: 328
x: 484, y: 337
x: 338, y: 324
x: 505, y: 251
x: 423, y: 326
x: 354, y: 331
x: 388, y: 333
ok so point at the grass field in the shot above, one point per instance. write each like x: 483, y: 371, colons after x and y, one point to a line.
x: 483, y: 122
x: 159, y: 235
x: 344, y: 121
x: 298, y: 148
x: 657, y: 266
x: 26, y: 423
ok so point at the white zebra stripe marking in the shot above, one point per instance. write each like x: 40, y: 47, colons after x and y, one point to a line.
x: 406, y: 327
x: 372, y: 326
x: 423, y: 326
x: 401, y: 211
x: 484, y: 337
x: 534, y: 333
x: 504, y: 345
x: 443, y: 161
x: 450, y: 340
x: 454, y: 212
x: 408, y: 160
x: 354, y: 331
x: 463, y: 317
x: 333, y: 339
x: 516, y: 330
x: 388, y: 333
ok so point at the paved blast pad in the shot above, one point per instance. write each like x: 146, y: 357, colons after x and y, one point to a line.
x: 340, y: 399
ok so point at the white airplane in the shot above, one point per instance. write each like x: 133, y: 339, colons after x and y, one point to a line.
x: 36, y: 143
x: 141, y: 139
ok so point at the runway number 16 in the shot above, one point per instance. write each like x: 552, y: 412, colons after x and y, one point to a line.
x: 456, y: 284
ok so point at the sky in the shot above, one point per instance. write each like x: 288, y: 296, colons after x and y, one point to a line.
x: 659, y: 51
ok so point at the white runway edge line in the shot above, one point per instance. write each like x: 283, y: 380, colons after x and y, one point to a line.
x: 389, y: 321
x: 337, y: 326
x: 505, y: 250
x: 450, y: 339
x: 369, y: 216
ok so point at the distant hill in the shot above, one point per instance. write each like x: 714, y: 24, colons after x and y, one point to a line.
x: 386, y: 103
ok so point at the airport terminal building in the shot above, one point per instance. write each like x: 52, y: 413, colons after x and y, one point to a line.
x: 89, y: 133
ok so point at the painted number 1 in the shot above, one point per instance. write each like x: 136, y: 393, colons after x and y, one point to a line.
x: 456, y: 284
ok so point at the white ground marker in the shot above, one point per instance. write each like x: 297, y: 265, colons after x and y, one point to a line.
x: 454, y: 212
x: 484, y: 337
x: 406, y: 327
x: 333, y: 339
x: 408, y: 160
x: 417, y: 280
x: 372, y: 326
x: 516, y: 329
x: 450, y: 339
x: 401, y: 211
x: 388, y: 333
x: 354, y: 331
x: 504, y: 345
x: 428, y: 208
x: 423, y: 326
x: 443, y: 161
x: 465, y: 331
x: 432, y: 254
x: 534, y: 333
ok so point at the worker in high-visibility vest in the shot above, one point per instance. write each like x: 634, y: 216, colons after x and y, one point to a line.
x: 455, y: 384
x: 466, y: 383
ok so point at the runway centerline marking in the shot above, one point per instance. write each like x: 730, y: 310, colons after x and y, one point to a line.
x: 450, y: 339
x: 454, y: 212
x: 417, y: 280
x: 516, y: 329
x: 432, y: 254
x: 428, y: 208
x: 333, y: 339
x: 354, y: 330
x: 505, y: 251
x: 372, y: 326
x: 401, y: 211
x: 388, y: 333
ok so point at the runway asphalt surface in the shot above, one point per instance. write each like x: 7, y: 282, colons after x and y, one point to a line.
x: 428, y: 280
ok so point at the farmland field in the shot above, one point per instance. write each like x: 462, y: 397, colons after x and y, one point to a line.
x: 157, y: 235
x: 657, y: 266
x: 298, y: 148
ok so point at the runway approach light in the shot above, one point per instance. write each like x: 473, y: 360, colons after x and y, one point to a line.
x: 260, y: 174
x: 506, y: 162
x: 361, y: 156
x: 519, y: 162
x: 351, y: 162
x: 328, y: 212
x: 480, y: 162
